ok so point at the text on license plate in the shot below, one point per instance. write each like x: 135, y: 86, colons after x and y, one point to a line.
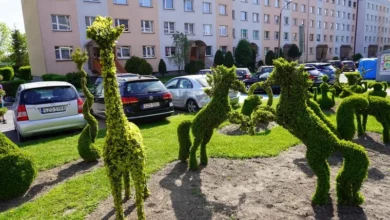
x: 151, y: 105
x: 54, y: 109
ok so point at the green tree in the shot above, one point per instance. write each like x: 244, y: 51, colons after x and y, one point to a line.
x: 357, y: 57
x: 229, y: 60
x: 132, y: 64
x: 5, y: 34
x: 182, y: 45
x: 269, y: 58
x: 281, y: 54
x: 335, y: 58
x: 145, y: 68
x: 18, y: 49
x: 243, y: 54
x: 294, y: 52
x: 162, y: 67
x: 218, y: 58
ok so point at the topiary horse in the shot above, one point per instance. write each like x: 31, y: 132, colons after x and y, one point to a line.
x: 86, y: 143
x: 210, y: 117
x: 123, y: 151
x: 294, y: 114
x: 324, y: 100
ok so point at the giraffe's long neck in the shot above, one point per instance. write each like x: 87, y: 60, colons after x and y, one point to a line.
x: 114, y: 108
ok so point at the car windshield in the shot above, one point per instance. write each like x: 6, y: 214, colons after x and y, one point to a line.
x: 349, y: 64
x: 267, y: 69
x: 241, y: 72
x: 48, y: 95
x: 326, y: 67
x: 143, y: 87
x: 203, y: 82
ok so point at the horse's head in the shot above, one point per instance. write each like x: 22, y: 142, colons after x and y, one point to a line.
x: 222, y: 80
x: 103, y: 33
x: 290, y: 76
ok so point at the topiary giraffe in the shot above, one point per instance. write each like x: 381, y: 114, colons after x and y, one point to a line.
x: 86, y: 143
x: 210, y: 117
x: 123, y: 151
x: 294, y: 114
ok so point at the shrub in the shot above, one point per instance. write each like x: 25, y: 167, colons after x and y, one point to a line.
x: 190, y: 67
x: 353, y: 78
x: 11, y: 87
x: 324, y: 100
x: 269, y: 58
x: 379, y: 89
x: 357, y: 57
x: 74, y: 78
x: 243, y: 54
x: 53, y: 77
x: 162, y: 67
x: 229, y: 60
x: 250, y: 103
x: 133, y: 64
x: 3, y: 111
x: 25, y: 73
x: 218, y: 58
x: 145, y: 68
x: 335, y: 58
x: 7, y: 73
x: 260, y: 63
x: 294, y: 52
x: 199, y: 65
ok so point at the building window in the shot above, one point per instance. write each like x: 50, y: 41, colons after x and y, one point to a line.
x: 123, y: 52
x: 285, y: 35
x: 318, y: 38
x: 266, y: 2
x: 276, y: 19
x: 256, y: 2
x: 206, y: 8
x: 311, y: 37
x: 145, y: 3
x: 147, y: 26
x: 286, y: 21
x: 277, y: 3
x: 120, y: 2
x: 223, y: 30
x: 276, y: 35
x: 244, y: 16
x: 331, y: 38
x: 188, y: 5
x: 295, y: 36
x: 63, y: 53
x: 336, y: 50
x: 310, y: 50
x: 189, y: 28
x: 60, y: 22
x: 255, y: 17
x: 330, y: 50
x: 266, y: 18
x: 208, y: 51
x: 255, y: 34
x: 169, y: 27
x: 234, y: 33
x: 222, y: 10
x: 295, y: 21
x: 207, y: 29
x: 89, y: 21
x: 92, y: 0
x: 148, y: 51
x: 295, y: 6
x: 244, y: 33
x: 223, y: 49
x: 266, y: 35
x: 169, y: 51
x: 266, y: 49
x: 303, y: 8
x: 123, y: 22
x: 168, y: 4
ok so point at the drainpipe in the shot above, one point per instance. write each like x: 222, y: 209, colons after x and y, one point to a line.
x: 356, y: 23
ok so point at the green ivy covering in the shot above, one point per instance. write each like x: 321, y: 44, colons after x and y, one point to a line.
x: 123, y: 152
x: 324, y: 100
x: 295, y: 115
x: 210, y: 117
x: 17, y: 170
x: 86, y: 143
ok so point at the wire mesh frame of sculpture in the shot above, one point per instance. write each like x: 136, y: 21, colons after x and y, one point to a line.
x: 123, y: 150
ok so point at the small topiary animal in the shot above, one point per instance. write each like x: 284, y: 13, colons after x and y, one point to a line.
x: 17, y: 170
x: 294, y: 114
x: 86, y: 143
x: 379, y: 89
x: 356, y: 85
x: 208, y: 118
x: 324, y: 100
x: 123, y: 152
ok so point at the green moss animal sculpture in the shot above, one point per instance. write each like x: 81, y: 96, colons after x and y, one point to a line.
x: 379, y: 89
x: 123, y: 152
x: 324, y: 100
x: 17, y: 170
x: 86, y: 144
x: 295, y: 115
x: 208, y: 118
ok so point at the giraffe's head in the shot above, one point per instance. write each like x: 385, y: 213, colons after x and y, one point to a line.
x: 222, y: 80
x: 103, y: 33
x: 80, y: 57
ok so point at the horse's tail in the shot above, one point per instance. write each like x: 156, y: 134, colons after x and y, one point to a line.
x: 183, y: 133
x: 345, y: 116
x: 267, y: 88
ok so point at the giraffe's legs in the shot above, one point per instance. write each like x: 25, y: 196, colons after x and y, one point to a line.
x: 137, y: 173
x: 126, y: 180
x: 115, y: 177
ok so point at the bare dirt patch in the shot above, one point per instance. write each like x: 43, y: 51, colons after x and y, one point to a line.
x: 234, y: 129
x: 261, y: 188
x: 48, y: 179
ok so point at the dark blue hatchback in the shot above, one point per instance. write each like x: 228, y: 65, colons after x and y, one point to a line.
x: 142, y: 97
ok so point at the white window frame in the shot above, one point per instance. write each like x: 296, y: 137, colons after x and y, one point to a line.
x: 144, y: 29
x: 58, y: 25
x: 242, y: 33
x: 142, y: 3
x: 222, y: 9
x: 168, y: 51
x: 255, y: 17
x: 165, y: 4
x: 211, y: 51
x: 191, y: 4
x: 254, y: 35
x: 208, y: 31
x: 206, y: 7
x: 187, y: 29
x: 168, y: 27
x: 150, y: 51
x: 117, y: 23
x: 61, y: 49
x: 245, y: 15
x: 120, y: 50
x: 120, y: 2
x: 223, y: 31
x: 89, y: 20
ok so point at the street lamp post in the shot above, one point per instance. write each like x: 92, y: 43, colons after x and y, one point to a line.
x: 280, y: 26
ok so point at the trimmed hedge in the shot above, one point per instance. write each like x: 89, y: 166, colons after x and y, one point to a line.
x: 133, y: 64
x: 250, y: 103
x: 53, y: 77
x: 379, y: 89
x: 25, y: 73
x: 11, y: 87
x: 7, y: 73
x: 145, y: 68
x: 324, y: 100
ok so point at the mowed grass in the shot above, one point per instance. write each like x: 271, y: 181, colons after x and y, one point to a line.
x: 77, y: 197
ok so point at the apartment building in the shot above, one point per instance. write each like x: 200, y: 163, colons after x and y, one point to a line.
x: 55, y: 28
x: 373, y: 31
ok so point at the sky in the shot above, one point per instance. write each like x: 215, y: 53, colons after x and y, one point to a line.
x: 11, y: 14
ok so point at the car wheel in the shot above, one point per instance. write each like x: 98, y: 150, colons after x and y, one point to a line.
x: 20, y: 138
x: 191, y: 106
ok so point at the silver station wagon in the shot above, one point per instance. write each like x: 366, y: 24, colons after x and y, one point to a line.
x: 46, y: 107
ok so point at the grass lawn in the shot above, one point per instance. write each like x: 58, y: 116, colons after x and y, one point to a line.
x: 79, y: 196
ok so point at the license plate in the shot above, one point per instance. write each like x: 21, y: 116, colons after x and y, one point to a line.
x: 151, y: 105
x: 54, y: 109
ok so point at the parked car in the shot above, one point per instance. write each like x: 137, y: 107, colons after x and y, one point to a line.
x: 242, y: 73
x: 188, y: 92
x: 47, y: 107
x: 142, y: 97
x: 314, y: 75
x: 348, y: 65
x: 204, y: 71
x: 325, y: 68
x: 100, y: 78
x: 336, y: 63
x: 264, y: 69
